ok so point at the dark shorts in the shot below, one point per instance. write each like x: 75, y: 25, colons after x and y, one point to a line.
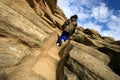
x: 64, y: 36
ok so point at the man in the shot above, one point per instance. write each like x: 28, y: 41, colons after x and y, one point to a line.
x: 68, y: 29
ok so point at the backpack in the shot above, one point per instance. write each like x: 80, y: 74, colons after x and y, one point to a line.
x: 65, y: 24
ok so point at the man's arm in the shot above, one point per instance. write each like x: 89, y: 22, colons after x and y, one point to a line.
x: 76, y: 29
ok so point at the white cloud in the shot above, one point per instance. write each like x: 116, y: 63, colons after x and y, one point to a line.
x: 101, y: 13
x: 64, y: 5
x: 83, y: 16
x: 71, y: 7
x: 111, y: 33
x: 114, y: 25
x: 80, y: 2
x: 93, y: 26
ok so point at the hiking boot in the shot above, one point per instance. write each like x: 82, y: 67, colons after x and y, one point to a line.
x: 59, y: 44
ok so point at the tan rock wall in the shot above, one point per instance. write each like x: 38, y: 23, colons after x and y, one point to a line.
x: 24, y: 26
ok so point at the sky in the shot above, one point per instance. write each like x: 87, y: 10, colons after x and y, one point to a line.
x: 101, y: 15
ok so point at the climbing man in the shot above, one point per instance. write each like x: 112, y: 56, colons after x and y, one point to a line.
x: 68, y: 29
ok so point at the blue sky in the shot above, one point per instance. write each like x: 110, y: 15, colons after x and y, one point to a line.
x: 101, y: 15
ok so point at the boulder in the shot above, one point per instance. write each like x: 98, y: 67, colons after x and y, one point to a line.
x: 108, y: 39
x: 92, y: 33
x: 85, y: 66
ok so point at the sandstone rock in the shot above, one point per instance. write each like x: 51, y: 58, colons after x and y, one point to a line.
x: 114, y: 55
x: 41, y: 66
x: 92, y: 52
x: 92, y: 33
x: 116, y: 42
x: 11, y: 52
x: 70, y: 75
x: 24, y: 27
x: 29, y: 30
x: 87, y: 66
x: 108, y: 39
x: 79, y: 30
x: 83, y: 38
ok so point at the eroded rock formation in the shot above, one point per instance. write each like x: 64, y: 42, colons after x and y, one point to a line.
x: 28, y: 33
x: 91, y: 57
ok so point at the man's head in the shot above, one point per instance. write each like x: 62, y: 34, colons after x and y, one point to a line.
x: 74, y: 17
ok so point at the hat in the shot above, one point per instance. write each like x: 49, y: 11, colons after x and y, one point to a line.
x: 74, y: 16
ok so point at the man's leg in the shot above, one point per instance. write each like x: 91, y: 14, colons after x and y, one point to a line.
x: 67, y: 36
x: 61, y: 38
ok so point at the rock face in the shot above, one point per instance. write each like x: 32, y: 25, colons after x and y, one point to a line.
x: 28, y: 33
x: 91, y: 58
x: 26, y: 37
